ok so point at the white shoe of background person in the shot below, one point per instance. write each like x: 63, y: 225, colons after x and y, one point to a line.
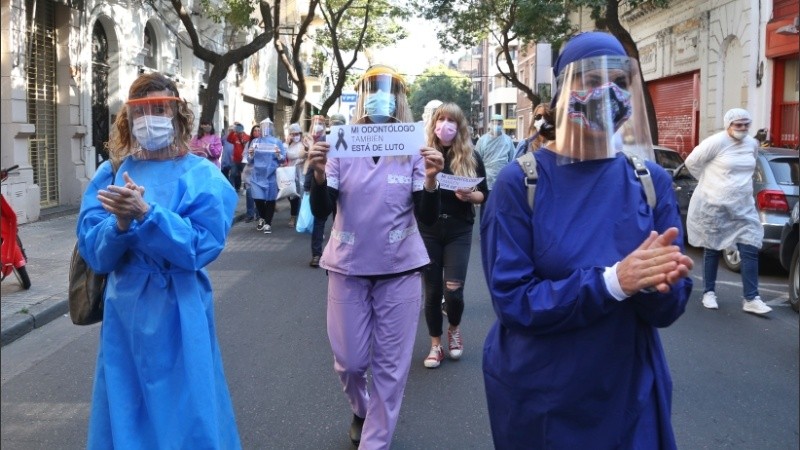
x: 755, y: 306
x: 710, y: 300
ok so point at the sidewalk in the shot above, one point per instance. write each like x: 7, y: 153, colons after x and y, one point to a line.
x: 48, y: 245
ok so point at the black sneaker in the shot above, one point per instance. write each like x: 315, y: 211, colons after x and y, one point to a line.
x: 355, y: 430
x: 314, y: 261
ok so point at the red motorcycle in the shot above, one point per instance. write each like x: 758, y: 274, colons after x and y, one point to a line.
x: 13, y: 255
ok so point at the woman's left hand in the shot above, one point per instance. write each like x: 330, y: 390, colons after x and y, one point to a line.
x: 125, y: 202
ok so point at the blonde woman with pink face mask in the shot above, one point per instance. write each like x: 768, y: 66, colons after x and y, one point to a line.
x: 449, y: 240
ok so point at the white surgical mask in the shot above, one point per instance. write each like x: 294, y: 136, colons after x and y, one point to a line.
x: 153, y: 132
x: 295, y: 139
x: 739, y: 135
x: 538, y: 124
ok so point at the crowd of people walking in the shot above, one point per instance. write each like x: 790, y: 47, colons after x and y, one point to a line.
x: 580, y: 278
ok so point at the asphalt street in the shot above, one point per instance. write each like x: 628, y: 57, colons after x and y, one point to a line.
x: 735, y: 374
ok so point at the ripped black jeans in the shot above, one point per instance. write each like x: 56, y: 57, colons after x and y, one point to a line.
x: 448, y: 242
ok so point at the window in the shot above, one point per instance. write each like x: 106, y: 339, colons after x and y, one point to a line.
x: 511, y: 111
x: 150, y: 47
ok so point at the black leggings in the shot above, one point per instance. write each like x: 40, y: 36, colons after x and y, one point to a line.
x: 448, y: 242
x: 266, y: 210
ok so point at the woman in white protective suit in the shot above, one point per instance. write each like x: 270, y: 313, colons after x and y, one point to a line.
x: 722, y: 211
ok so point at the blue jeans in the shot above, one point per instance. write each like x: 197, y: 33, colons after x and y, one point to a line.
x: 749, y: 270
x: 251, y: 204
x: 317, y: 236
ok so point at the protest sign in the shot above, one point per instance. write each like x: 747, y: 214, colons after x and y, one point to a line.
x: 385, y: 139
x: 453, y: 182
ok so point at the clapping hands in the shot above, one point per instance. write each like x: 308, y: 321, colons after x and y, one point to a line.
x: 657, y: 263
x: 125, y: 202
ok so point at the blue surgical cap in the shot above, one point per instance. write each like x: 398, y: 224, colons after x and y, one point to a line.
x: 582, y: 46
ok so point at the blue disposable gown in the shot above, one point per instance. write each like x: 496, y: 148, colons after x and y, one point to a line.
x: 566, y: 365
x: 159, y: 382
x: 265, y: 163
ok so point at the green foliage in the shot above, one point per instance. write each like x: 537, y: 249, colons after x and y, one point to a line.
x: 440, y: 83
x: 465, y: 23
x: 234, y: 13
x: 382, y: 30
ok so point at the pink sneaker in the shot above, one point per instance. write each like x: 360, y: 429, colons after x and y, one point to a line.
x: 435, y: 357
x: 454, y: 343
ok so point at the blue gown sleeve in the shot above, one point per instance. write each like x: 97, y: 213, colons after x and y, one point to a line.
x: 194, y: 234
x: 656, y: 309
x: 100, y: 242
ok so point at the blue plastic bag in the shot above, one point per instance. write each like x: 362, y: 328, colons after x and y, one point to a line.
x: 305, y: 220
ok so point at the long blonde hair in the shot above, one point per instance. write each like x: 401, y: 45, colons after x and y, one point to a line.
x: 462, y: 158
x: 121, y: 142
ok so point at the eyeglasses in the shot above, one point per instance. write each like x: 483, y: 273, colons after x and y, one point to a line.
x: 538, y: 116
x: 740, y: 125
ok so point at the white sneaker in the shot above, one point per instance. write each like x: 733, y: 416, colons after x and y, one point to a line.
x: 755, y: 306
x: 455, y: 344
x: 261, y: 223
x: 710, y: 300
x: 267, y: 229
x: 435, y: 357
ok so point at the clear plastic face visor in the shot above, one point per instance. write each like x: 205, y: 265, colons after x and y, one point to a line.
x: 151, y: 121
x: 600, y: 110
x: 377, y: 97
x: 267, y: 128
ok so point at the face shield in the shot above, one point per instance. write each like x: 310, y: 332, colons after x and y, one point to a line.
x: 377, y: 92
x: 267, y: 128
x: 496, y: 127
x: 152, y: 121
x: 600, y: 110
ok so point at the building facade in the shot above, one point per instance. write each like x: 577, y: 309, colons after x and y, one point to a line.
x: 66, y: 69
x: 700, y: 59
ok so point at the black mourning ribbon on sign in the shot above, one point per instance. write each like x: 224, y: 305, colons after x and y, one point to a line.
x: 341, y: 141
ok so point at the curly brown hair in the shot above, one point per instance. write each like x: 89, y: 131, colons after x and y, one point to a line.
x: 121, y: 142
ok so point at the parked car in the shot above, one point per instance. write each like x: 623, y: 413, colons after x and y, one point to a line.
x: 790, y: 255
x: 683, y: 182
x: 775, y: 187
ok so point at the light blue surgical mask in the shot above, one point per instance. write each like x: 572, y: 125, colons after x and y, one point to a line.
x: 153, y: 132
x: 380, y: 106
x: 498, y: 130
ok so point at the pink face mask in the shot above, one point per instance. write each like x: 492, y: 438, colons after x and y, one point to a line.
x: 445, y: 131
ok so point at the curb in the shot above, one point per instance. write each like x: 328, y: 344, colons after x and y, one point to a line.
x: 43, y: 313
x: 38, y: 316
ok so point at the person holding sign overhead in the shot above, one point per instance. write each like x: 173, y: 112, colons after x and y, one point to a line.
x: 449, y: 240
x: 265, y: 153
x: 375, y: 255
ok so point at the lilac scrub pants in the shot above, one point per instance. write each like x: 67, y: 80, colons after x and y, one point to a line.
x: 372, y: 324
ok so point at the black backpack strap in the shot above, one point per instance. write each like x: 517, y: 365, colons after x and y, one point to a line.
x: 528, y: 165
x: 643, y: 175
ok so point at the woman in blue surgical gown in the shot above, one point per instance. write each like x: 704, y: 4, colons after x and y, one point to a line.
x: 580, y: 282
x: 153, y: 218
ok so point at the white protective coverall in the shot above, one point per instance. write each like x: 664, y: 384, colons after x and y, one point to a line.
x: 722, y: 211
